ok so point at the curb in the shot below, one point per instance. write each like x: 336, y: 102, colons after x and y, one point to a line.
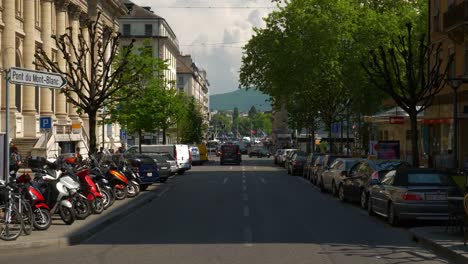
x: 437, y: 248
x: 87, y: 231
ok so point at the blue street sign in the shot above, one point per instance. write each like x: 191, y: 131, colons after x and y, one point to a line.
x: 45, y: 122
x: 335, y: 127
x: 123, y: 134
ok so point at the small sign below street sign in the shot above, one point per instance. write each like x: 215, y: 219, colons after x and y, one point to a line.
x: 37, y: 78
x: 76, y: 128
x: 45, y: 122
x: 123, y: 134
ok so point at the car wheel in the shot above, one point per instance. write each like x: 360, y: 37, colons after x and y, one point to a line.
x: 392, y: 215
x: 363, y: 199
x: 334, y: 190
x: 341, y: 195
x: 370, y: 210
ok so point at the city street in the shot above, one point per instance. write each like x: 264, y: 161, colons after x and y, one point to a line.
x: 251, y: 213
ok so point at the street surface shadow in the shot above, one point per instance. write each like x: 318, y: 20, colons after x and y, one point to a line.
x: 205, y: 206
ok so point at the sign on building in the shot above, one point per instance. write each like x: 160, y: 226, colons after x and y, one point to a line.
x: 45, y: 122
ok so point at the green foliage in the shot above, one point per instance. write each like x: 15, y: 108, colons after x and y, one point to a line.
x: 252, y: 112
x: 191, y: 125
x: 221, y: 122
x: 308, y: 56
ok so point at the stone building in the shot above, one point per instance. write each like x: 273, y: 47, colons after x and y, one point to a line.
x: 193, y: 81
x: 24, y: 26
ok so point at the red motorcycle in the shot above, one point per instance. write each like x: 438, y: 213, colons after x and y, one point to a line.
x: 91, y: 191
x: 42, y: 218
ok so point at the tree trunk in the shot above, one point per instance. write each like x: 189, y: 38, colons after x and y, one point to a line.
x: 92, y: 132
x: 414, y: 137
x: 308, y: 141
x: 139, y: 140
x: 164, y: 136
x: 312, y: 137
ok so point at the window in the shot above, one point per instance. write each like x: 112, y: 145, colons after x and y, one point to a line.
x: 127, y: 29
x: 181, y: 80
x: 148, y: 30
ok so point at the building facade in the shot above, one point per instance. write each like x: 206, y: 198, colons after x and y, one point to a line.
x: 26, y: 25
x: 448, y: 27
x: 146, y: 28
x: 193, y: 81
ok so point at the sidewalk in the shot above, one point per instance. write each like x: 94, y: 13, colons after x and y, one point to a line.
x: 445, y: 244
x: 62, y: 235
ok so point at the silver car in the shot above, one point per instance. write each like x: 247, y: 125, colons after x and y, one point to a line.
x: 412, y: 193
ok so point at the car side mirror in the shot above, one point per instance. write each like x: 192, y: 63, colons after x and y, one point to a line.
x: 375, y: 182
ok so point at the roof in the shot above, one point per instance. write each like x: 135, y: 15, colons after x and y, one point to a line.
x: 182, y: 67
x: 136, y: 11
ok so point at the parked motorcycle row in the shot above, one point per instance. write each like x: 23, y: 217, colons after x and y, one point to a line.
x: 68, y: 188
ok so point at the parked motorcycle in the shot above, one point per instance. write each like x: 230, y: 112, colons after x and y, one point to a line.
x: 99, y: 178
x: 91, y: 190
x: 133, y: 187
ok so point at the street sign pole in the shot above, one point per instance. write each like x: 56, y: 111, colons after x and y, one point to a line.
x: 7, y: 128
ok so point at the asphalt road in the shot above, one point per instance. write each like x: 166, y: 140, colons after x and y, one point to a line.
x: 252, y: 213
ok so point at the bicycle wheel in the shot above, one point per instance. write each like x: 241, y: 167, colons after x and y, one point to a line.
x: 27, y: 214
x: 11, y: 223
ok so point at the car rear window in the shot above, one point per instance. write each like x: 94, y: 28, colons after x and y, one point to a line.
x: 229, y: 148
x: 392, y: 165
x: 433, y: 178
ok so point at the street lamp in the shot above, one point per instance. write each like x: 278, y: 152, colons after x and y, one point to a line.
x: 455, y: 83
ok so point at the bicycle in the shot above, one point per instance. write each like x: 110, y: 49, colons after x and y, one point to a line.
x: 23, y: 204
x: 11, y: 220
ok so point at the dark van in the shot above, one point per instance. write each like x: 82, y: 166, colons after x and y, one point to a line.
x: 230, y: 153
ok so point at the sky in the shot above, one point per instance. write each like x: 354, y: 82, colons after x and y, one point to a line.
x: 201, y: 32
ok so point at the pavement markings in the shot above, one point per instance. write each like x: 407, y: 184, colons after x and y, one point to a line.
x: 225, y: 180
x: 262, y: 180
x: 248, y: 237
x: 246, y: 197
x: 244, y: 188
x: 246, y: 211
x: 243, y: 181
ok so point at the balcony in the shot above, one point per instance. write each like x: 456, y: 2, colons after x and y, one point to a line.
x: 456, y: 21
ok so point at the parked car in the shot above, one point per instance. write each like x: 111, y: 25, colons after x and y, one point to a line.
x: 296, y: 163
x: 230, y: 153
x: 412, y: 193
x: 309, y: 165
x: 196, y: 160
x: 171, y: 160
x: 315, y: 168
x: 282, y: 157
x: 287, y: 158
x: 259, y: 152
x: 180, y: 152
x: 147, y: 168
x: 333, y: 177
x: 356, y: 185
x: 327, y: 161
x: 277, y: 154
x: 164, y: 168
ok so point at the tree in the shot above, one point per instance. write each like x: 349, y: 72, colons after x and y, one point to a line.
x: 95, y: 69
x: 235, y: 115
x: 139, y: 113
x: 192, y: 127
x: 402, y: 72
x: 171, y: 107
x: 252, y: 111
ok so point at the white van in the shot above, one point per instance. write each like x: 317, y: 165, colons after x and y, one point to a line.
x: 180, y: 152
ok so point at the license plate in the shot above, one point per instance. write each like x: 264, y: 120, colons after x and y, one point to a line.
x: 436, y: 197
x: 164, y: 168
x: 149, y: 174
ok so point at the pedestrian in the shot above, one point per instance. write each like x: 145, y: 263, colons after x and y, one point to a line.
x: 121, y: 149
x: 78, y: 156
x: 15, y: 159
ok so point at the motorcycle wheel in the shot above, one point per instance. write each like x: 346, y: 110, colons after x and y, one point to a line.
x: 107, y: 197
x: 67, y: 215
x: 41, y: 219
x: 120, y: 194
x: 98, y: 205
x: 27, y: 215
x: 82, y: 207
x: 132, y: 190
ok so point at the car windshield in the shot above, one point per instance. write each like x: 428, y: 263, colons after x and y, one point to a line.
x: 431, y: 178
x: 392, y: 165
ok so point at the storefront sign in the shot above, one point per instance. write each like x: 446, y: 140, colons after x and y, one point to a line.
x: 76, y: 128
x: 389, y: 149
x: 434, y: 121
x: 396, y: 120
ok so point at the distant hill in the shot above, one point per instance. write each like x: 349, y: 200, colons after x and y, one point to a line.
x: 242, y: 99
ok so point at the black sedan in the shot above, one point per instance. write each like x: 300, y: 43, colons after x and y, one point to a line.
x: 355, y: 186
x: 412, y: 194
x: 296, y: 163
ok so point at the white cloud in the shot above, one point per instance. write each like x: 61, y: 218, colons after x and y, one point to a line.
x: 197, y: 26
